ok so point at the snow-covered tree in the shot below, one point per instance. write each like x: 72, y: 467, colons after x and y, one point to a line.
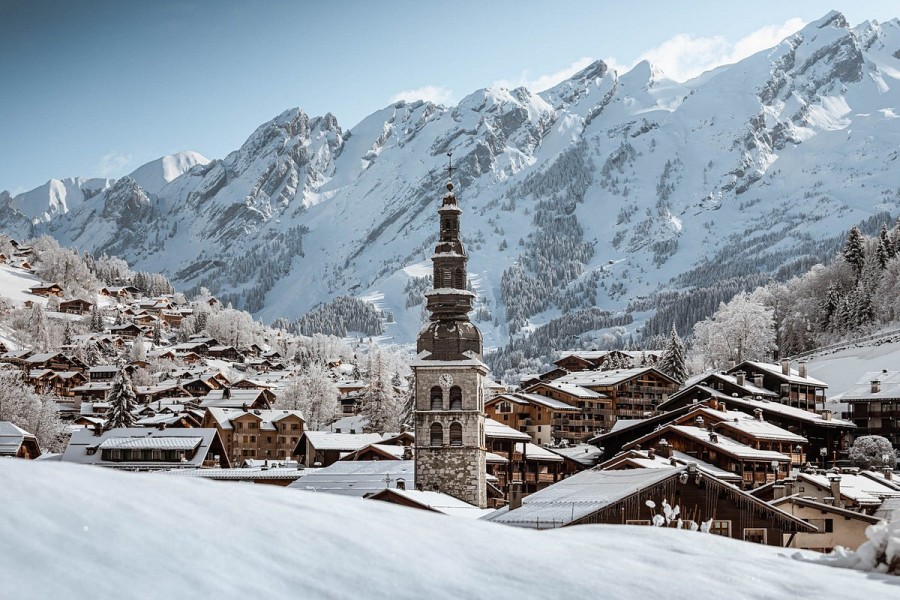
x: 122, y: 402
x: 855, y: 250
x: 314, y: 393
x: 97, y: 324
x: 381, y: 403
x: 38, y: 328
x: 138, y: 349
x: 672, y: 362
x: 742, y: 329
x: 35, y: 413
x: 872, y: 452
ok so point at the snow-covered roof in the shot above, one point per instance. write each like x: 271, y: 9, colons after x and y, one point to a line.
x: 793, y: 375
x: 439, y: 502
x: 11, y: 438
x: 758, y: 429
x: 537, y: 453
x: 246, y: 473
x: 150, y: 443
x: 358, y: 477
x: 84, y: 443
x: 347, y: 442
x: 495, y: 429
x: 584, y: 454
x: 571, y: 389
x: 224, y: 417
x: 545, y: 401
x: 719, y: 441
x: 784, y: 410
x: 606, y: 378
x: 862, y: 490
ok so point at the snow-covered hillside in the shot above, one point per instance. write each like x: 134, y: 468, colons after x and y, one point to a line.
x: 85, y: 532
x: 602, y: 191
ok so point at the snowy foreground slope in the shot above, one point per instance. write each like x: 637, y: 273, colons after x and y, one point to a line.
x: 83, y: 532
x: 600, y: 191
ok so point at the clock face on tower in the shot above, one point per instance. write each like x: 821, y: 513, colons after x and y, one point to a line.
x: 446, y: 380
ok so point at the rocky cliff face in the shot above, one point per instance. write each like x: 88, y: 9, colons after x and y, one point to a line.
x: 611, y: 190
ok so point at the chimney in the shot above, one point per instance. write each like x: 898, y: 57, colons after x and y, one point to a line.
x: 758, y: 379
x: 226, y: 392
x: 651, y: 454
x: 244, y: 406
x: 722, y: 407
x: 664, y: 449
x: 785, y: 366
x: 98, y: 429
x: 407, y: 453
x: 161, y: 426
x: 515, y: 495
x: 835, y: 481
x: 779, y: 491
x: 739, y: 377
x: 876, y: 386
x: 758, y: 414
x: 888, y: 473
x: 788, y: 486
x: 826, y: 415
x: 801, y: 369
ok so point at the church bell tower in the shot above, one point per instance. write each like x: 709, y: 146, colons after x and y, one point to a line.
x: 449, y: 375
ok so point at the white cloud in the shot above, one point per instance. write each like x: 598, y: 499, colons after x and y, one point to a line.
x: 430, y: 93
x: 544, y: 82
x: 684, y: 56
x: 113, y: 164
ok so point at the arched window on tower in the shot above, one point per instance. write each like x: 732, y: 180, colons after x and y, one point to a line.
x: 456, y: 398
x: 459, y: 279
x: 437, y: 434
x: 437, y: 398
x: 456, y: 434
x: 447, y: 278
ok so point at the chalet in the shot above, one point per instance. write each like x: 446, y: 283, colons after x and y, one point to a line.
x: 430, y: 501
x: 250, y: 384
x: 358, y: 479
x: 860, y: 491
x: 75, y: 307
x: 264, y: 434
x: 171, y: 318
x: 875, y: 405
x: 649, y: 459
x: 16, y: 357
x: 323, y: 448
x: 794, y: 387
x: 46, y: 290
x: 55, y: 361
x: 534, y: 414
x: 836, y: 526
x: 125, y: 291
x: 144, y: 320
x: 604, y: 360
x: 634, y: 497
x: 190, y: 358
x: 144, y: 449
x: 127, y: 331
x: 196, y: 347
x: 381, y: 452
x: 93, y: 391
x: 60, y: 383
x: 162, y: 390
x: 577, y: 458
x: 595, y: 410
x: 755, y: 466
x: 826, y: 435
x: 238, y: 398
x: 16, y: 442
x: 229, y: 353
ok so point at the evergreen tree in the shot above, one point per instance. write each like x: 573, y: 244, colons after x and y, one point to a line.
x: 157, y: 333
x: 855, y: 250
x: 380, y: 404
x: 38, y: 328
x: 122, y: 401
x: 672, y: 362
x: 883, y: 249
x: 96, y: 318
x: 67, y: 334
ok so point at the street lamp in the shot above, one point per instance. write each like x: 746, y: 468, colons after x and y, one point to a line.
x: 823, y: 452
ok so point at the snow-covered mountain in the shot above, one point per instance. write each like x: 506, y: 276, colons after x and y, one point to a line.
x: 153, y: 176
x: 623, y: 191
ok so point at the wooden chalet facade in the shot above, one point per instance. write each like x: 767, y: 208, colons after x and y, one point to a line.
x: 256, y: 434
x: 46, y: 290
x: 794, y: 387
x: 875, y: 405
x: 609, y: 497
x: 75, y: 307
x: 533, y: 414
x: 15, y: 442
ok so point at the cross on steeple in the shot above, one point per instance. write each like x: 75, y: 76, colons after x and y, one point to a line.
x: 450, y: 165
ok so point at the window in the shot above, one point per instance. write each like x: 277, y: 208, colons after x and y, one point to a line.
x: 268, y: 439
x: 757, y: 535
x: 829, y: 525
x: 456, y: 398
x: 505, y: 407
x: 295, y: 426
x: 456, y: 437
x: 437, y: 398
x: 720, y: 527
x: 459, y: 280
x: 637, y: 522
x: 437, y: 434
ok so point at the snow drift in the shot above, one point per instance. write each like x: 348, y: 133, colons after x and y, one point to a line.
x: 84, y: 532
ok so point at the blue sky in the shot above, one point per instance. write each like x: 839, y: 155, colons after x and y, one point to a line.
x: 98, y: 88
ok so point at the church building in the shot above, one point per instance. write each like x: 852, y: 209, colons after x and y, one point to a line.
x: 450, y: 375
